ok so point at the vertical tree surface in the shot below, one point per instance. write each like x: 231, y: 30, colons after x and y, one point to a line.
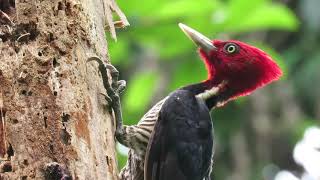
x: 54, y: 121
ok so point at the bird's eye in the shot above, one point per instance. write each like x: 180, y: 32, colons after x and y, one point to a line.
x: 231, y: 48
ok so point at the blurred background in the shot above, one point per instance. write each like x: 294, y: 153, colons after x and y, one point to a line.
x: 255, y: 135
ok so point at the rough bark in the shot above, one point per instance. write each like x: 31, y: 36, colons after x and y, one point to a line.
x: 54, y: 122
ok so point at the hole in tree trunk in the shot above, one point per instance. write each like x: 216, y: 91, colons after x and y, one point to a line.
x: 10, y: 151
x: 65, y: 117
x: 7, y: 167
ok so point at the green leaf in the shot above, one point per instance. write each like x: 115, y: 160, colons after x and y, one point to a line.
x: 140, y: 91
x: 242, y: 7
x: 185, y: 8
x: 191, y: 70
x: 275, y: 16
x: 138, y: 8
x: 238, y: 10
x: 119, y: 51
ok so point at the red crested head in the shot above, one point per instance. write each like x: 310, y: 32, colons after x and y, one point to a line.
x: 244, y: 67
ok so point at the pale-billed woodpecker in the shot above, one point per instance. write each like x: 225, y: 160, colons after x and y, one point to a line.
x: 174, y: 139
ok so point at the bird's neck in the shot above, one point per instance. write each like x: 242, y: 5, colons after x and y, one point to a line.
x: 214, y: 94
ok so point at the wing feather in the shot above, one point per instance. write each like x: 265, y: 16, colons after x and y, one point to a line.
x: 181, y: 143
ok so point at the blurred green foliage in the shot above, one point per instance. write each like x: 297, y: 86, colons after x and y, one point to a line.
x: 154, y: 47
x: 138, y: 96
x: 154, y: 23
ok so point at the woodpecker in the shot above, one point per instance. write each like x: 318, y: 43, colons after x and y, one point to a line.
x: 174, y: 140
x: 181, y: 143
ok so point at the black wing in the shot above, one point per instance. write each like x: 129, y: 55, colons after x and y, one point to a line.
x: 180, y: 147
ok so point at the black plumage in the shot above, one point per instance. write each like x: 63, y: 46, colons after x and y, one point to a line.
x: 181, y: 145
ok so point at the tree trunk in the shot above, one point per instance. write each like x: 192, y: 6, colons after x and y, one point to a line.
x: 54, y: 122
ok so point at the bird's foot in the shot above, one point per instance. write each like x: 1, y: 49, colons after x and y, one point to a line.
x: 117, y: 86
x: 114, y: 89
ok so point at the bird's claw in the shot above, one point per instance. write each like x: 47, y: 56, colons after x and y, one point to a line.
x: 114, y: 74
x: 117, y: 86
x: 107, y: 98
x: 114, y: 89
x: 121, y: 86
